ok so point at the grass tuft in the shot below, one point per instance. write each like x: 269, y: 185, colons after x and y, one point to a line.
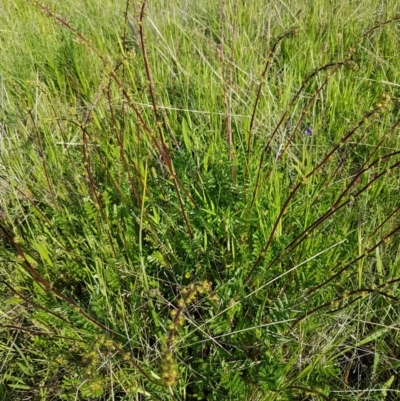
x: 199, y: 201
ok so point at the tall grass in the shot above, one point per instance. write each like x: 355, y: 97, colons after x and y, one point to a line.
x: 199, y: 200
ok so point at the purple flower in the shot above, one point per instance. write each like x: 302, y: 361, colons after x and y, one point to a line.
x: 308, y: 131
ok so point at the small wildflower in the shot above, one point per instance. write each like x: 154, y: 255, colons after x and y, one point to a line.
x: 109, y: 344
x: 206, y: 286
x: 169, y: 369
x: 180, y: 320
x: 214, y: 298
x: 308, y: 131
x: 351, y: 65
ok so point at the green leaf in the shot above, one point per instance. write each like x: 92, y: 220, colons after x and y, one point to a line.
x: 185, y: 135
x: 13, y: 301
x: 20, y: 386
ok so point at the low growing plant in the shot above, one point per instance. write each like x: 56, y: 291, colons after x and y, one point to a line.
x: 200, y: 202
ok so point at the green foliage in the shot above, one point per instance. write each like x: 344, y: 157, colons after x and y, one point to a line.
x: 199, y: 201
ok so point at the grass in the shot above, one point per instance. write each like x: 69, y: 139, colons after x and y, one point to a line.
x: 199, y: 201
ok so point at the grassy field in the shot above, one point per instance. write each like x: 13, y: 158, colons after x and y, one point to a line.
x: 199, y: 200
